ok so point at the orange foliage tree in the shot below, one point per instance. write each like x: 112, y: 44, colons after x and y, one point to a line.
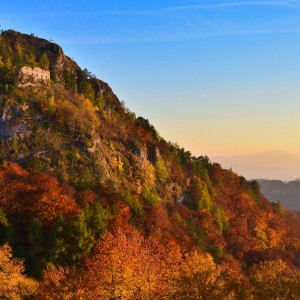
x: 127, y: 266
x: 63, y: 283
x: 124, y: 266
x: 33, y: 195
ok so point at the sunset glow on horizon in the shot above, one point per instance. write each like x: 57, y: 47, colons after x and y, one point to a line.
x: 217, y: 77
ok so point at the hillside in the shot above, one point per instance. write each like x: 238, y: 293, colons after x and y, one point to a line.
x: 99, y: 206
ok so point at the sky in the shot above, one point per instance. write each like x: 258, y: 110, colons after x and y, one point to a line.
x: 217, y: 77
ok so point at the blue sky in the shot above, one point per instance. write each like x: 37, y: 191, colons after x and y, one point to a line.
x: 218, y: 77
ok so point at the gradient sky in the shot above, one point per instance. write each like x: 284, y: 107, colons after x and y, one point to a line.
x: 217, y: 77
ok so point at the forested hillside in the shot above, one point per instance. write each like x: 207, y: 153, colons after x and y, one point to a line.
x: 95, y: 204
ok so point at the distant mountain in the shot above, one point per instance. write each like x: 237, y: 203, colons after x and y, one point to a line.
x: 274, y: 164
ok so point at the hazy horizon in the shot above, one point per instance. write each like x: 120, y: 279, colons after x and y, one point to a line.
x: 272, y: 165
x: 217, y: 77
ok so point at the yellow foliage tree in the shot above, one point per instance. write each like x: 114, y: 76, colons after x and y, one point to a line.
x: 200, y: 278
x: 13, y: 284
x: 161, y: 170
x: 275, y: 280
x: 147, y: 174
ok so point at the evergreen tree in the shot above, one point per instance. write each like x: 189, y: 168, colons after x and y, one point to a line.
x: 44, y: 62
x: 70, y: 80
x: 58, y: 243
x: 6, y: 231
x: 35, y: 247
x: 198, y: 195
x: 53, y: 72
x: 97, y: 219
x: 81, y: 237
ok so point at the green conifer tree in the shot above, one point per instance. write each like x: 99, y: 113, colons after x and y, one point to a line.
x: 58, y: 244
x: 81, y: 237
x: 44, y: 62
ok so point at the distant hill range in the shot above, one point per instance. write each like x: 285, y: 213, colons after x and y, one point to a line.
x: 274, y: 165
x: 288, y: 193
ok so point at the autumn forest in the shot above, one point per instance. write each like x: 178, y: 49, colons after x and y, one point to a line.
x: 95, y: 204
